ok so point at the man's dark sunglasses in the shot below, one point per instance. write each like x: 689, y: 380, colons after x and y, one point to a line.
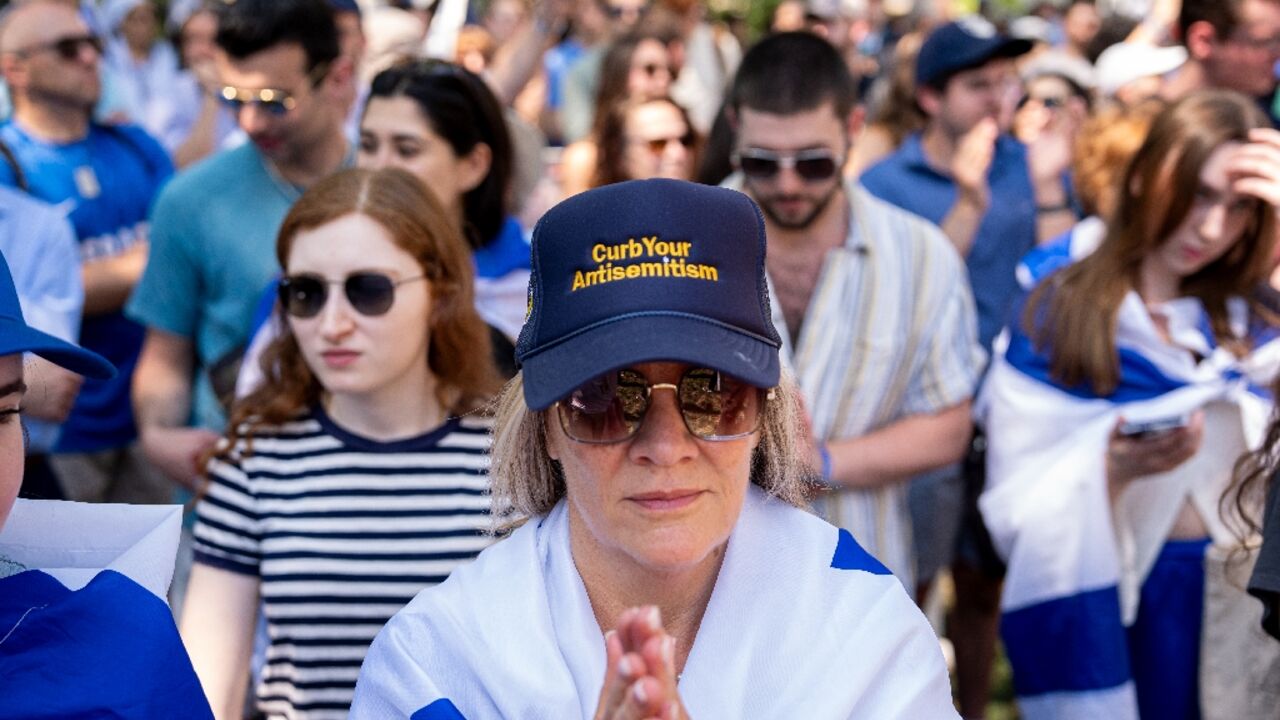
x: 368, y: 293
x: 68, y: 48
x: 814, y: 165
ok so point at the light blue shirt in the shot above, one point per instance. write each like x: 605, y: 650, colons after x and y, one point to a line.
x: 213, y: 240
x: 40, y: 246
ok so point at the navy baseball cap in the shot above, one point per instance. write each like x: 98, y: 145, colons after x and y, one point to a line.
x: 345, y: 6
x: 961, y: 45
x: 642, y: 271
x: 16, y: 336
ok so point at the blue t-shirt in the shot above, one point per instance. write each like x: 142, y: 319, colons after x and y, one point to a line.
x: 213, y: 249
x: 557, y: 62
x: 1006, y: 233
x: 105, y: 183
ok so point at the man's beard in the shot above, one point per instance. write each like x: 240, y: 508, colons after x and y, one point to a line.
x: 766, y: 205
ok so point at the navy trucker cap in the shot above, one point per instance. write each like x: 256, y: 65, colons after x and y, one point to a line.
x: 16, y: 336
x: 961, y: 45
x: 641, y: 271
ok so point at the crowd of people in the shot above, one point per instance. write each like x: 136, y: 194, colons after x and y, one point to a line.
x: 971, y: 309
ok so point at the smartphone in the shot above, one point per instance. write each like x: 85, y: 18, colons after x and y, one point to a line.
x: 1149, y: 428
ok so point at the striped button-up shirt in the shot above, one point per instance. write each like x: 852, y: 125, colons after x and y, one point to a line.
x: 890, y: 332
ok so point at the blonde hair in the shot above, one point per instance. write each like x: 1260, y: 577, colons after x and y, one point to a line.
x: 525, y: 482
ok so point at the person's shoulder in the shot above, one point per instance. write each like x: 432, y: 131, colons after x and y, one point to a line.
x: 134, y: 138
x: 209, y: 179
x: 896, y: 226
x: 29, y: 207
x: 835, y: 546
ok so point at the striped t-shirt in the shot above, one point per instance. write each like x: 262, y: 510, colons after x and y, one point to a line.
x: 342, y: 532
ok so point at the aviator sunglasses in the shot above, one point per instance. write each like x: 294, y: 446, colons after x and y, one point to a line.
x: 68, y: 48
x: 612, y: 407
x: 273, y: 101
x: 813, y: 165
x: 369, y: 293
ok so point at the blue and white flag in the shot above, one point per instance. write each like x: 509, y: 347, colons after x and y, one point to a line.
x: 84, y: 627
x: 1077, y: 562
x: 803, y: 623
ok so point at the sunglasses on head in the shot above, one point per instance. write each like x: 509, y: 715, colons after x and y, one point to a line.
x: 816, y: 164
x: 612, y: 407
x: 68, y: 48
x: 369, y: 293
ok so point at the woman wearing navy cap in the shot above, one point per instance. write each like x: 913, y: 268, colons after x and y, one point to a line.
x: 647, y: 455
x: 79, y: 637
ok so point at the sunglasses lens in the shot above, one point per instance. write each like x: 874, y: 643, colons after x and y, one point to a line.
x: 817, y: 168
x: 302, y: 296
x: 69, y: 48
x: 758, y: 167
x: 611, y: 408
x: 605, y: 409
x: 716, y: 406
x: 276, y: 107
x: 370, y: 293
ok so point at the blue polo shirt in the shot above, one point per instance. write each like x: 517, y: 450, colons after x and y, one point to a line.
x: 105, y: 183
x: 1007, y: 231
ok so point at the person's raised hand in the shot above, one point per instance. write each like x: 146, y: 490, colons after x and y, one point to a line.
x: 1255, y: 167
x: 972, y: 161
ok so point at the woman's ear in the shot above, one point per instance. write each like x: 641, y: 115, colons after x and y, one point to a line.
x: 474, y: 167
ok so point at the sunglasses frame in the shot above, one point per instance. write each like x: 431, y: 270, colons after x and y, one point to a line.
x: 788, y: 161
x: 273, y: 101
x: 289, y: 281
x: 67, y: 47
x: 765, y: 395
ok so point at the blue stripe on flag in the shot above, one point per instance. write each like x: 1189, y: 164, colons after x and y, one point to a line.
x: 1140, y: 379
x: 1070, y: 644
x: 851, y: 556
x: 441, y: 709
x: 110, y: 649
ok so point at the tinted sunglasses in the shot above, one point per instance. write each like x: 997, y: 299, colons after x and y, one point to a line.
x: 270, y: 100
x: 369, y: 293
x: 652, y: 69
x: 813, y: 165
x: 657, y: 146
x: 611, y: 408
x: 68, y: 48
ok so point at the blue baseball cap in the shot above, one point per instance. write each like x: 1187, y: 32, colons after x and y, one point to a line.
x: 642, y: 271
x: 345, y: 6
x: 16, y: 336
x: 964, y: 44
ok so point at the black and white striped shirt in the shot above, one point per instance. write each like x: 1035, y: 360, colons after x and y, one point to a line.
x: 342, y: 531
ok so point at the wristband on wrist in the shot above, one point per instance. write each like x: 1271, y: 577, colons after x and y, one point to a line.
x: 825, y: 454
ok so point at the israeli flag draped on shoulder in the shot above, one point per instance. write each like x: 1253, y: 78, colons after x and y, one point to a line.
x: 802, y: 623
x: 1076, y: 563
x: 84, y: 627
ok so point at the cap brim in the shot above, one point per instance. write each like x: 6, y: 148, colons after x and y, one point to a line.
x: 21, y: 338
x: 553, y: 373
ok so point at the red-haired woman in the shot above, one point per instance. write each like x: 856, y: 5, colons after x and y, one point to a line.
x: 355, y: 475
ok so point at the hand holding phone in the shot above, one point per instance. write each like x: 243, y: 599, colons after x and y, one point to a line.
x: 1149, y: 428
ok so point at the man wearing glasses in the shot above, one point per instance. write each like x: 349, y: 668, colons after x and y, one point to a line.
x: 213, y: 242
x: 876, y: 317
x: 103, y: 178
x: 1231, y: 44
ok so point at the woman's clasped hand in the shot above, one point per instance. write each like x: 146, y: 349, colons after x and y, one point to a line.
x: 640, y: 669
